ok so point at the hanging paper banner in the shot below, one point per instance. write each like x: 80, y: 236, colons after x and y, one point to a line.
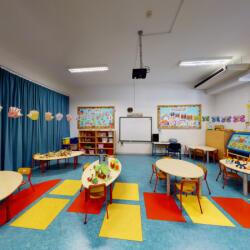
x: 206, y: 118
x: 69, y: 117
x: 49, y: 116
x: 14, y: 112
x: 59, y: 116
x: 33, y: 115
x: 1, y: 107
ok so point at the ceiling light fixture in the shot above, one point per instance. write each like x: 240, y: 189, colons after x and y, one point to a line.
x: 245, y: 78
x: 206, y: 62
x: 88, y: 69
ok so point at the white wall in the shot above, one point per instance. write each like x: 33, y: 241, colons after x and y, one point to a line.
x: 147, y: 99
x: 233, y: 102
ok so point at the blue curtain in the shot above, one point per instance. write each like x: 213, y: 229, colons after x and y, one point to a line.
x: 20, y: 138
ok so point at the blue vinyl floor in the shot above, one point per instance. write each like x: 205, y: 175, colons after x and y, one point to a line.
x: 67, y: 231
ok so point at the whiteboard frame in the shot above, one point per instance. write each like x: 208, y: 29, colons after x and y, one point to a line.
x: 122, y: 117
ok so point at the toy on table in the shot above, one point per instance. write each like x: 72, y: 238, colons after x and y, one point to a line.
x: 95, y: 180
x: 102, y: 170
x: 114, y: 164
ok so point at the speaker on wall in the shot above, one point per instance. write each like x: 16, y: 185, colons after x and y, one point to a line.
x: 155, y: 137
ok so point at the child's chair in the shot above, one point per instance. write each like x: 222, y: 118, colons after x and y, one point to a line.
x: 95, y: 192
x: 158, y: 174
x: 188, y: 186
x: 204, y: 169
x: 25, y: 172
x: 85, y: 166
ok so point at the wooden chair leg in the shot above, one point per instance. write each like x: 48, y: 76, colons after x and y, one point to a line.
x: 156, y: 181
x: 199, y: 202
x: 218, y: 175
x: 86, y: 213
x: 151, y: 177
x: 208, y: 187
x: 181, y: 200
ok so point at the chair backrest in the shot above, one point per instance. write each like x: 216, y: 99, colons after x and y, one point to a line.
x: 25, y: 171
x: 190, y: 181
x: 204, y: 169
x: 199, y: 152
x: 154, y: 169
x: 175, y: 147
x: 167, y: 157
x: 223, y: 169
x: 97, y: 191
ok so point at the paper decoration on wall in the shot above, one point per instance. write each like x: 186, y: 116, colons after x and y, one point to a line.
x: 33, y: 115
x: 1, y: 107
x: 69, y: 117
x: 228, y: 119
x: 59, y: 116
x: 49, y: 116
x: 206, y: 118
x: 101, y: 117
x: 179, y: 116
x: 14, y: 112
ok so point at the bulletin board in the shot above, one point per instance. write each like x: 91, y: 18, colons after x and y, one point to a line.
x: 179, y: 116
x: 101, y: 117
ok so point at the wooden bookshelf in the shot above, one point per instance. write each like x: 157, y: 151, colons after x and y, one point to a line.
x: 96, y: 142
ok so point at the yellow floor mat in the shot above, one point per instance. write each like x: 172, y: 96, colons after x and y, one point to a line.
x: 41, y: 214
x: 124, y: 222
x: 126, y: 191
x: 67, y: 188
x: 211, y: 215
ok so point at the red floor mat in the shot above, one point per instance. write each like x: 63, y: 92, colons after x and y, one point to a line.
x: 79, y: 206
x: 237, y: 208
x: 162, y: 207
x: 22, y: 199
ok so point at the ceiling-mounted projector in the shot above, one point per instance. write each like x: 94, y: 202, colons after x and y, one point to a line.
x: 140, y: 73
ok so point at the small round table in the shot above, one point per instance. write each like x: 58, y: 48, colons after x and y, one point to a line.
x: 114, y: 174
x: 179, y: 168
x: 9, y: 182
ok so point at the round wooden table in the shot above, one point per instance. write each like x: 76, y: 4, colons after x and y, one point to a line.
x: 9, y: 183
x: 179, y: 168
x: 89, y: 171
x: 206, y: 149
x: 245, y: 173
x: 43, y: 160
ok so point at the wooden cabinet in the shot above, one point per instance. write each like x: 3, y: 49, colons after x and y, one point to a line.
x: 218, y: 139
x: 96, y: 142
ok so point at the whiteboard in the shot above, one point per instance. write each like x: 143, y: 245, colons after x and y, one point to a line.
x: 135, y: 129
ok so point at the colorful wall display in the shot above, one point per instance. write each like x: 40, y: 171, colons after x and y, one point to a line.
x: 102, y: 117
x: 240, y: 142
x: 33, y: 115
x: 179, y: 116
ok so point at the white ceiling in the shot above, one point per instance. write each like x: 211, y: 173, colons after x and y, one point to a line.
x: 57, y: 34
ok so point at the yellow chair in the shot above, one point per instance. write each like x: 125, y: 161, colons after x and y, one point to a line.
x: 188, y: 186
x: 27, y: 171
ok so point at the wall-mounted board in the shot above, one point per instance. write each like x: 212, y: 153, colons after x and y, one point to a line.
x: 240, y: 143
x: 102, y: 117
x: 179, y: 116
x: 135, y: 129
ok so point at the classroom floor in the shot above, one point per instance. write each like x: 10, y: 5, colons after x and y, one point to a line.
x: 67, y: 231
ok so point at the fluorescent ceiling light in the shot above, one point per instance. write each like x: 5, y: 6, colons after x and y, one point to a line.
x: 88, y: 69
x: 245, y: 78
x: 206, y: 62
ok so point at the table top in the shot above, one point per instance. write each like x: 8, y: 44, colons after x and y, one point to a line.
x: 205, y: 148
x: 73, y: 154
x: 160, y: 142
x: 114, y: 174
x: 233, y: 166
x: 179, y: 168
x: 9, y: 182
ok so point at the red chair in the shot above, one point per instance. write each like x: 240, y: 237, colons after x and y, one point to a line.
x: 28, y: 172
x: 158, y: 174
x: 189, y: 186
x: 226, y: 175
x: 95, y: 192
x: 204, y: 169
x: 200, y: 154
